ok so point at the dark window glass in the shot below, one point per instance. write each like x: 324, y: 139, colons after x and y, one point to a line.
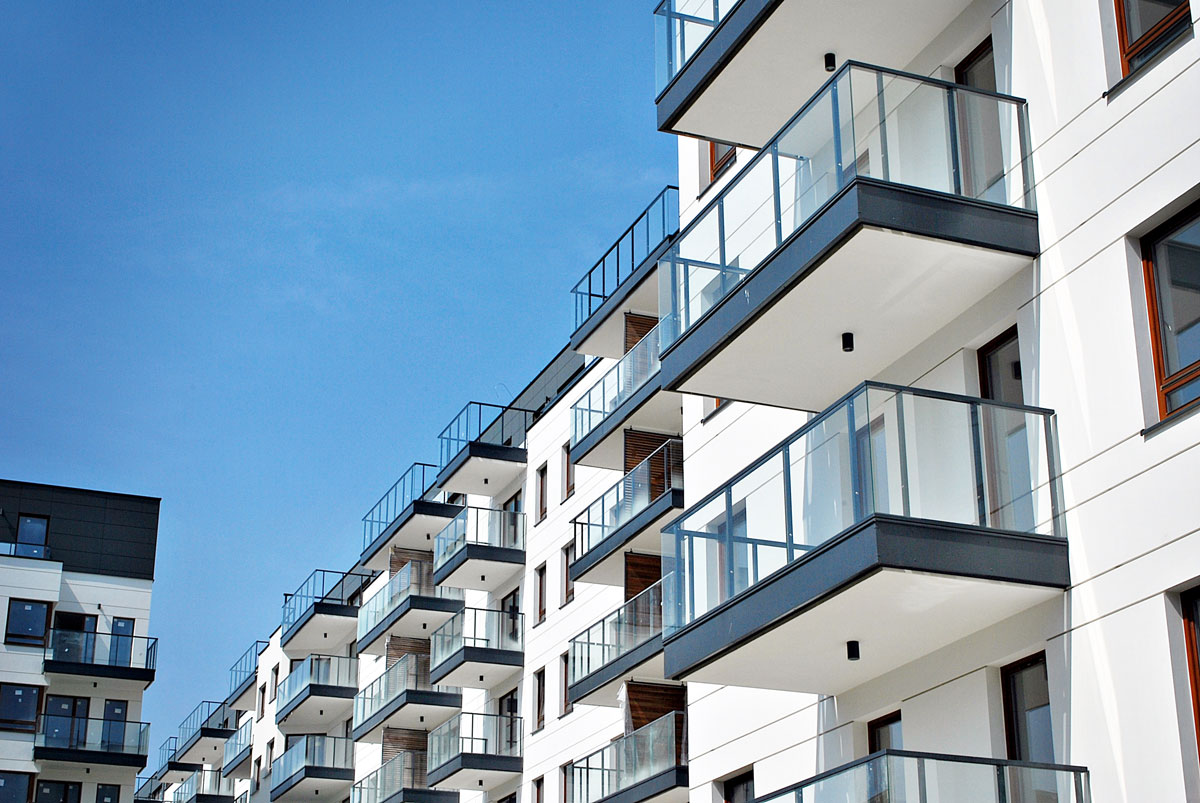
x: 31, y: 536
x: 108, y: 793
x: 539, y: 788
x: 27, y: 621
x: 568, y: 471
x: 58, y: 792
x: 565, y: 670
x: 1027, y: 710
x: 1145, y: 25
x: 978, y: 70
x: 1000, y: 369
x: 885, y: 734
x: 542, y: 503
x: 720, y: 156
x: 568, y: 553
x: 539, y: 575
x: 19, y: 707
x: 1172, y: 258
x: 14, y: 787
x: 539, y: 696
x: 739, y: 789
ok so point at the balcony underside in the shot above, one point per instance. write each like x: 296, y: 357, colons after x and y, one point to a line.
x: 413, y: 709
x: 67, y: 758
x: 239, y: 765
x: 766, y: 59
x: 324, y: 629
x: 323, y: 783
x: 316, y: 709
x: 417, y: 616
x: 212, y: 799
x: 477, y: 668
x: 421, y: 796
x: 484, y: 469
x: 475, y: 772
x: 179, y: 771
x: 891, y: 264
x: 480, y: 567
x: 242, y: 698
x: 649, y: 409
x: 605, y: 562
x: 603, y: 333
x: 670, y: 786
x: 206, y: 746
x: 136, y: 677
x: 414, y: 528
x: 902, y: 588
x: 602, y: 687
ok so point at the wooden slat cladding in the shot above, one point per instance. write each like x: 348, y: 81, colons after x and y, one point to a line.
x: 399, y: 646
x: 646, y: 702
x: 641, y: 572
x: 637, y: 327
x: 400, y: 557
x: 397, y: 739
x: 640, y: 445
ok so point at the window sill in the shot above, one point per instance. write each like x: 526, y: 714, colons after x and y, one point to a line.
x: 566, y: 602
x: 566, y: 713
x: 17, y: 641
x: 1172, y: 418
x: 713, y: 414
x: 717, y: 176
x: 1167, y: 46
x: 567, y: 495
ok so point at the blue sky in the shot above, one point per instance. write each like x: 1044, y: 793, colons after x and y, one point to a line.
x: 254, y: 257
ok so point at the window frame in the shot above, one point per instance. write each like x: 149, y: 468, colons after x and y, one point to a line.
x: 539, y: 789
x: 565, y: 704
x: 1190, y: 603
x: 541, y: 489
x: 18, y: 639
x: 568, y: 472
x: 1156, y: 36
x: 18, y: 543
x: 568, y: 585
x: 741, y: 779
x: 718, y: 165
x: 23, y: 725
x: 539, y: 592
x: 30, y: 780
x: 539, y: 700
x: 874, y: 726
x: 273, y: 685
x: 1166, y: 384
x: 1010, y: 726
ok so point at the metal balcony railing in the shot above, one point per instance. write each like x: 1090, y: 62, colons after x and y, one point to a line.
x: 477, y: 627
x: 478, y: 525
x: 642, y: 754
x: 482, y: 734
x: 100, y: 735
x: 617, y: 385
x: 415, y: 578
x: 410, y: 672
x: 630, y: 626
x: 659, y: 473
x: 319, y: 670
x: 413, y: 484
x: 102, y: 649
x: 480, y: 422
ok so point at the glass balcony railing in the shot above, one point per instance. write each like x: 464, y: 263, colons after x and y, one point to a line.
x: 245, y: 667
x: 479, y: 525
x: 649, y: 750
x: 338, y: 588
x: 415, y: 578
x: 100, y: 735
x: 480, y: 422
x: 410, y: 672
x: 477, y: 627
x: 166, y: 753
x: 881, y: 449
x: 102, y: 649
x: 659, y: 473
x: 203, y: 782
x: 24, y: 550
x: 242, y: 738
x: 680, y: 27
x: 631, y: 625
x: 208, y: 714
x: 616, y: 386
x: 659, y: 221
x: 325, y: 752
x: 317, y: 670
x: 865, y: 121
x: 480, y: 734
x: 413, y: 484
x: 405, y: 771
x: 899, y: 775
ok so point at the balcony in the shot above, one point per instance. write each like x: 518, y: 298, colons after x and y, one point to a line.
x: 314, y: 767
x: 649, y: 764
x: 480, y: 549
x: 625, y: 644
x: 148, y: 789
x: 902, y: 775
x: 236, y: 759
x: 96, y: 742
x: 203, y: 733
x: 405, y: 517
x: 322, y: 614
x: 901, y: 519
x: 475, y: 752
x: 400, y: 780
x: 204, y: 786
x: 242, y: 675
x: 409, y: 605
x: 101, y: 655
x: 317, y: 694
x: 403, y: 697
x: 886, y: 208
x: 482, y: 451
x: 735, y: 71
x: 623, y: 280
x: 478, y: 648
x: 170, y: 769
x: 628, y: 517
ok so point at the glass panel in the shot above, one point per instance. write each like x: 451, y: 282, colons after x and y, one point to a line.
x: 483, y: 423
x: 1027, y: 698
x: 312, y: 751
x: 240, y: 741
x: 208, y: 714
x: 410, y: 672
x: 413, y: 484
x: 484, y: 734
x: 245, y: 667
x: 477, y: 525
x: 337, y: 588
x: 660, y: 472
x: 616, y: 386
x: 414, y: 578
x: 82, y: 733
x: 633, y: 624
x: 477, y: 627
x: 405, y: 771
x: 941, y: 463
x: 633, y: 758
x: 1142, y: 15
x: 102, y: 649
x: 320, y: 670
x: 1177, y: 276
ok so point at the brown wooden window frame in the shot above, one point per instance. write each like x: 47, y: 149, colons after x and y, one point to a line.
x: 539, y: 592
x: 718, y: 165
x: 1150, y: 39
x: 1190, y: 602
x: 568, y: 585
x: 1166, y: 384
x: 539, y: 699
x: 543, y: 504
x: 568, y: 472
x: 565, y: 704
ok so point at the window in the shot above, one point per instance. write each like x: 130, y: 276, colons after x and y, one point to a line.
x: 568, y: 471
x: 739, y: 789
x: 19, y: 707
x: 539, y: 699
x: 1144, y: 26
x: 257, y: 776
x: 539, y: 790
x: 539, y: 591
x: 1191, y: 621
x: 31, y: 536
x: 268, y: 757
x: 1000, y: 369
x: 542, y: 505
x: 28, y: 621
x: 108, y: 793
x: 885, y: 734
x: 720, y: 157
x: 564, y: 679
x: 262, y: 700
x: 1027, y: 710
x: 273, y: 688
x: 1171, y: 260
x: 15, y: 787
x: 568, y: 585
x: 566, y: 771
x: 59, y: 792
x: 456, y: 499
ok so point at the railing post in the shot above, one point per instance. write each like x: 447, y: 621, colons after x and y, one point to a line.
x: 885, y: 168
x: 955, y: 156
x: 776, y: 193
x: 977, y: 443
x: 837, y: 132
x: 1001, y: 785
x: 902, y: 443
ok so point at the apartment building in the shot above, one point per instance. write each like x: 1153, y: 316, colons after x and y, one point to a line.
x: 867, y: 473
x: 76, y: 572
